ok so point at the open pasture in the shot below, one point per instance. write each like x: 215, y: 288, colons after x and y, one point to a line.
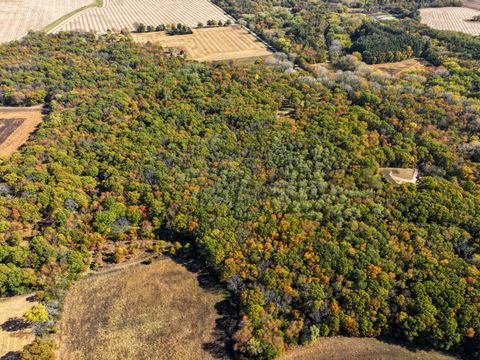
x: 16, y: 125
x: 211, y: 44
x: 14, y: 333
x: 19, y: 16
x: 451, y: 18
x: 123, y: 14
x: 156, y: 312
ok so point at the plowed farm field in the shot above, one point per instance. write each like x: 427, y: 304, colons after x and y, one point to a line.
x: 451, y: 18
x: 123, y: 14
x: 211, y: 44
x: 16, y: 125
x: 17, y: 17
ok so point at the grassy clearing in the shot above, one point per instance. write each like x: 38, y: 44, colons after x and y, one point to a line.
x: 343, y: 348
x: 15, y: 137
x: 14, y: 334
x: 211, y: 44
x: 155, y: 311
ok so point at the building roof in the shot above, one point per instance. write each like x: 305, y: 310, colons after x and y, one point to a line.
x: 399, y: 176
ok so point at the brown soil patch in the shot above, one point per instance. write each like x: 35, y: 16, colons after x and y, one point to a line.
x: 397, y: 68
x: 16, y: 125
x: 343, y: 348
x: 14, y: 334
x: 155, y: 311
x: 472, y: 4
x: 211, y: 44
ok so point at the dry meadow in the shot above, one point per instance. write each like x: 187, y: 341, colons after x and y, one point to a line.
x: 156, y: 311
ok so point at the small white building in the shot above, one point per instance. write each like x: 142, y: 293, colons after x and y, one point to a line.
x: 399, y: 176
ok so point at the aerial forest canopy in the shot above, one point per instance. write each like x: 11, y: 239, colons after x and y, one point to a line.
x: 271, y: 177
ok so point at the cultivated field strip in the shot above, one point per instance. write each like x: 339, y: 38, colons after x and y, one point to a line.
x: 120, y: 14
x: 473, y: 4
x: 451, y: 18
x: 17, y: 17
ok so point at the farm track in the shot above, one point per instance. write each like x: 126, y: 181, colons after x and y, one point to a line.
x: 120, y: 14
x: 20, y: 16
x: 452, y: 19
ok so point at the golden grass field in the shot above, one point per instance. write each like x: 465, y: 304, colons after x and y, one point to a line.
x: 211, y: 44
x: 397, y: 68
x: 155, y: 312
x: 344, y: 348
x: 14, y: 308
x: 451, y: 18
x: 12, y: 138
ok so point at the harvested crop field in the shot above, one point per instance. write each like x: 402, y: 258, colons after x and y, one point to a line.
x: 397, y: 68
x: 123, y: 14
x: 156, y: 311
x: 19, y: 16
x: 451, y: 18
x: 14, y: 333
x: 344, y: 348
x: 211, y: 44
x: 16, y: 125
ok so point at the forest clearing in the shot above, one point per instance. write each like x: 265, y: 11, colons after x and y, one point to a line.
x: 156, y: 311
x: 451, y: 18
x: 120, y: 14
x: 16, y: 125
x: 211, y: 44
x: 343, y: 348
x: 400, y: 67
x: 14, y: 335
x: 18, y: 17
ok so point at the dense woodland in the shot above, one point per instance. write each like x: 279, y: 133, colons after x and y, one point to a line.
x: 267, y: 174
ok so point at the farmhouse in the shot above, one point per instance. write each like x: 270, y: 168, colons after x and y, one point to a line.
x: 399, y: 176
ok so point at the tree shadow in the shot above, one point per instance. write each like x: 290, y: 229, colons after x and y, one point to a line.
x: 12, y: 355
x: 14, y: 324
x: 222, y: 346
